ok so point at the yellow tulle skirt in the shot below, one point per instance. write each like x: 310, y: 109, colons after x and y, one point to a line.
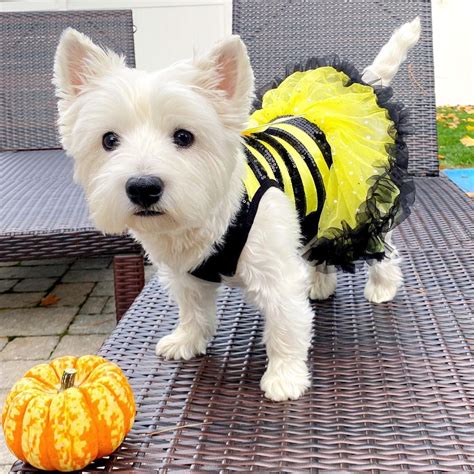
x: 366, y: 189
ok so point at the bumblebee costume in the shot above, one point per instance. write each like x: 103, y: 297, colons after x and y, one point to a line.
x: 334, y: 145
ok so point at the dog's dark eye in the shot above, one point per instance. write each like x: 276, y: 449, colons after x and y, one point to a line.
x: 183, y: 138
x: 110, y: 141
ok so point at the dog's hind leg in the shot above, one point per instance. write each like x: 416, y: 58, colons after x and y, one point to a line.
x: 385, y: 277
x: 323, y: 281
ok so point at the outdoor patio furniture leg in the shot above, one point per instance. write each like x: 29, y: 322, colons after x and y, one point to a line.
x: 129, y: 278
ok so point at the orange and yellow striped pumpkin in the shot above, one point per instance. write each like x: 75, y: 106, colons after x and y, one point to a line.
x: 65, y: 414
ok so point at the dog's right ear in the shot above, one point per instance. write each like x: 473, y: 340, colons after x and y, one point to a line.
x: 78, y: 62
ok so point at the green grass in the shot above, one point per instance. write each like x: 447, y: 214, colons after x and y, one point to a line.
x: 452, y: 124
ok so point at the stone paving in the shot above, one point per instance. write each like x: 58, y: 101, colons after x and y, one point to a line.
x: 50, y: 308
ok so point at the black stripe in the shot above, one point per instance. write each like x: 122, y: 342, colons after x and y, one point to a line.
x: 257, y: 169
x: 309, y: 227
x: 308, y: 159
x: 296, y: 181
x: 316, y: 134
x: 260, y: 147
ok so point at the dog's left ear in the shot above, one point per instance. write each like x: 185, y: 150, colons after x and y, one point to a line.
x: 226, y: 70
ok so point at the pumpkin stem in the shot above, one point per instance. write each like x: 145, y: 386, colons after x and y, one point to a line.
x: 67, y: 380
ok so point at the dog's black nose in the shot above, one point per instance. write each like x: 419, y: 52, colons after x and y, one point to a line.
x: 144, y: 190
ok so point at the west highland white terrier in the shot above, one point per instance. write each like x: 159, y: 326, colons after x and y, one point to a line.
x: 271, y: 204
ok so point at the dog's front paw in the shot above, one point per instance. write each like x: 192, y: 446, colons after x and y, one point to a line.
x: 181, y: 345
x: 285, y: 380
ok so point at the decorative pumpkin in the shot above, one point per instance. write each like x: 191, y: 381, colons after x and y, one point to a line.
x: 65, y: 414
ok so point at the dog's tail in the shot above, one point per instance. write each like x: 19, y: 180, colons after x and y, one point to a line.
x: 392, y: 55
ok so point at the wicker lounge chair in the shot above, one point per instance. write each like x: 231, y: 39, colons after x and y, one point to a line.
x: 393, y: 384
x: 43, y: 213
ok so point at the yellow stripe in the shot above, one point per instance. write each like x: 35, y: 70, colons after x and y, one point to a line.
x: 306, y: 177
x: 310, y: 145
x: 250, y: 182
x: 263, y: 162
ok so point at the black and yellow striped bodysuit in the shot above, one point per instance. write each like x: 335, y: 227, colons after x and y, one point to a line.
x: 334, y: 145
x: 294, y: 153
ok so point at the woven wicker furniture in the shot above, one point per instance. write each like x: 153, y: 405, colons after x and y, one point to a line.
x: 43, y: 213
x: 393, y: 384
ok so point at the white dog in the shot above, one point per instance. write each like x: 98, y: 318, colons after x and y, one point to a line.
x: 160, y: 155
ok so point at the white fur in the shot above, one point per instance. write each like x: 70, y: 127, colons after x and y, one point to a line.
x: 392, y: 55
x: 323, y: 282
x: 385, y: 277
x: 210, y: 96
x: 197, y: 314
x: 276, y: 280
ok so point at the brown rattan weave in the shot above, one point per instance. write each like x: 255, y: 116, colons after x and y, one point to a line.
x: 442, y: 217
x: 129, y: 280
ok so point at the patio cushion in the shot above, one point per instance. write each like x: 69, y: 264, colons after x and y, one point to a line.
x: 39, y: 195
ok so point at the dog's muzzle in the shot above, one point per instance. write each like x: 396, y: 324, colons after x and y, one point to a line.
x: 144, y: 191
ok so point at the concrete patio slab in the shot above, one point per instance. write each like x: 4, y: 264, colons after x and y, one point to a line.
x: 35, y: 321
x: 34, y: 284
x: 91, y: 275
x: 29, y: 348
x: 71, y: 294
x: 93, y: 305
x: 93, y: 324
x: 5, y: 285
x: 13, y: 370
x: 33, y: 271
x: 3, y: 342
x: 79, y: 345
x: 20, y: 300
